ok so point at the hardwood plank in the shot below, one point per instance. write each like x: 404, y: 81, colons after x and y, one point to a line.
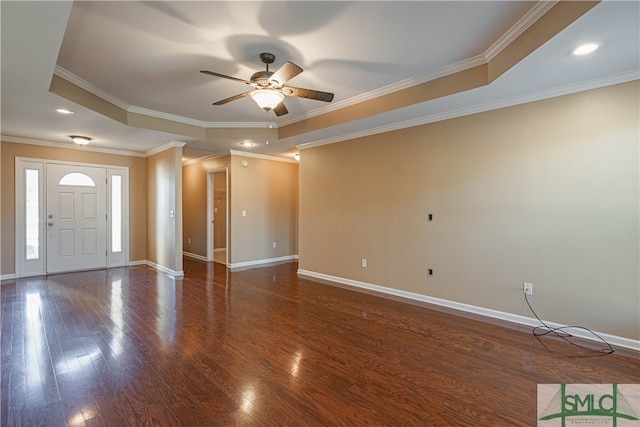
x: 131, y: 346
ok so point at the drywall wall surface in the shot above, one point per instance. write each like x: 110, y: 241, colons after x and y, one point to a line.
x: 545, y: 192
x: 164, y: 201
x: 264, y: 209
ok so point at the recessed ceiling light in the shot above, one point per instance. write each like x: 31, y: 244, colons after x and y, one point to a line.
x: 585, y: 49
x: 64, y: 111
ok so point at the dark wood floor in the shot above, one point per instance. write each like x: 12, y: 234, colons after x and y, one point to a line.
x: 130, y: 346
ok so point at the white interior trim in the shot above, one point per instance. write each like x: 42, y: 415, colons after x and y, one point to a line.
x: 25, y: 268
x: 486, y: 312
x: 481, y: 108
x: 170, y: 272
x: 260, y: 262
x: 210, y: 212
x: 262, y: 156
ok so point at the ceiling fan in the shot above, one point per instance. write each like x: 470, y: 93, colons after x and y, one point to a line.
x: 269, y: 87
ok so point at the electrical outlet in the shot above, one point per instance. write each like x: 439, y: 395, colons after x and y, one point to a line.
x: 527, y: 288
x: 274, y: 244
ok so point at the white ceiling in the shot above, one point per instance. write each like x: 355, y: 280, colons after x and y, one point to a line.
x: 146, y: 57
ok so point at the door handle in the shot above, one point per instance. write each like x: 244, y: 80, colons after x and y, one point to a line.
x: 49, y: 224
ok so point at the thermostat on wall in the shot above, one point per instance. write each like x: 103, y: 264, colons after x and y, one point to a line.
x: 244, y: 163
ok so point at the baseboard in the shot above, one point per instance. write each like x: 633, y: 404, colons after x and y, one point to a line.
x: 7, y: 276
x: 172, y: 273
x: 262, y: 262
x: 614, y: 340
x: 129, y: 264
x: 195, y: 256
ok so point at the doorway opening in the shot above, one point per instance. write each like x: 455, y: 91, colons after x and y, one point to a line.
x: 218, y: 216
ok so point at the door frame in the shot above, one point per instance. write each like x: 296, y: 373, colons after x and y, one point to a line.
x: 38, y: 267
x: 210, y: 199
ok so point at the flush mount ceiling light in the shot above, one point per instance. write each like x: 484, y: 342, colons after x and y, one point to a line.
x: 247, y: 144
x: 80, y: 140
x: 63, y: 111
x: 267, y: 99
x: 585, y: 49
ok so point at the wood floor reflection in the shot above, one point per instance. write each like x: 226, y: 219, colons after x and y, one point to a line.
x: 131, y: 346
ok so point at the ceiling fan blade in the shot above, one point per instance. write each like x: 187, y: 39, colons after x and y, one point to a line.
x: 232, y: 98
x: 286, y: 72
x: 308, y: 93
x: 280, y: 109
x: 211, y: 73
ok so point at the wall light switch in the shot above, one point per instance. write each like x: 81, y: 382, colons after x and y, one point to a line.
x: 244, y: 213
x: 171, y: 214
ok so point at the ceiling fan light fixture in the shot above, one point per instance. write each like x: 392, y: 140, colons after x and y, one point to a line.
x: 267, y: 99
x: 80, y: 140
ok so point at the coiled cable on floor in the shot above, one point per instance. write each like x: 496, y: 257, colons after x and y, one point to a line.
x: 563, y: 334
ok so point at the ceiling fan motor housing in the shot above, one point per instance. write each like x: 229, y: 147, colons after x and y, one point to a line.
x: 261, y: 78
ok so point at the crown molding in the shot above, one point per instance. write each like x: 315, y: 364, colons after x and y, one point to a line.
x: 261, y: 156
x: 522, y: 25
x: 394, y: 87
x: 519, y: 27
x: 83, y: 84
x: 200, y: 123
x: 204, y: 158
x: 164, y: 147
x: 69, y: 146
x: 481, y: 108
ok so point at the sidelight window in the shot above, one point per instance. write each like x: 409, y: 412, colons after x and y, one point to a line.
x: 32, y: 217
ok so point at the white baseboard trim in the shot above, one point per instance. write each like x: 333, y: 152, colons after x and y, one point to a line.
x: 7, y: 276
x: 129, y: 264
x: 614, y: 340
x: 195, y: 256
x: 172, y: 273
x: 258, y: 262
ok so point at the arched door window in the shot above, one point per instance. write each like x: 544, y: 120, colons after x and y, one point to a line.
x: 77, y: 179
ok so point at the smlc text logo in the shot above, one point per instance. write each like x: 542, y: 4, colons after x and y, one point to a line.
x: 616, y: 405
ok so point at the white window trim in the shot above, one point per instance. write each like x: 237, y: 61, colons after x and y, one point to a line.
x: 25, y: 267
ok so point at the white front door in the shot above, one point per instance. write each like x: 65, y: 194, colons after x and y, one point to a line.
x: 76, y: 223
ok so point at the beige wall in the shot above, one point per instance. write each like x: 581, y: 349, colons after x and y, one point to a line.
x: 268, y: 191
x: 546, y: 192
x: 164, y: 202
x: 194, y: 198
x: 137, y: 193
